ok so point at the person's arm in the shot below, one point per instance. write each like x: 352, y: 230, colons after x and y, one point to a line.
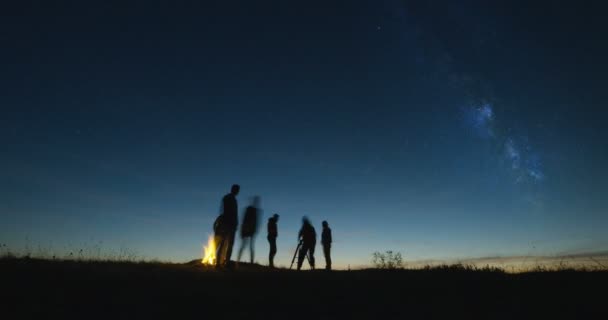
x: 222, y: 205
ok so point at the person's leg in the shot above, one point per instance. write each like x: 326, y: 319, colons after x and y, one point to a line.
x: 219, y: 241
x: 252, y: 249
x: 225, y: 243
x: 243, y: 240
x: 229, y: 243
x: 273, y: 251
x: 311, y: 251
x: 327, y: 253
x: 301, y: 255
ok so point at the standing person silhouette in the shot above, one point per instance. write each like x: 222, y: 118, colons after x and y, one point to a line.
x: 228, y: 225
x: 249, y: 228
x: 308, y: 236
x: 273, y: 233
x: 326, y: 242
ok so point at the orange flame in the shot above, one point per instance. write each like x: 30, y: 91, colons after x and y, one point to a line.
x: 209, y: 252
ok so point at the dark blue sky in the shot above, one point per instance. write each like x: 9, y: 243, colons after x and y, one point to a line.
x: 439, y: 129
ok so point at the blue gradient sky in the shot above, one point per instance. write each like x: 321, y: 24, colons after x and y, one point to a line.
x: 441, y: 130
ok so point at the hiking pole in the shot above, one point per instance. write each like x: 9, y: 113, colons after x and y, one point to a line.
x: 295, y: 254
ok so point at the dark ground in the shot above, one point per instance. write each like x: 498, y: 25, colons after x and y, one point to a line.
x: 114, y: 290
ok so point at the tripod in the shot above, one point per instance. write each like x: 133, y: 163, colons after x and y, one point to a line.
x: 296, y: 254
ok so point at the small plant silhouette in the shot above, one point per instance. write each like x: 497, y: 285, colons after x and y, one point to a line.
x: 387, y: 260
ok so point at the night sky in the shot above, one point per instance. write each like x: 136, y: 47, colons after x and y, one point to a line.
x: 440, y: 129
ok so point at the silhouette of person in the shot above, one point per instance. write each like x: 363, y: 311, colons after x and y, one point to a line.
x: 326, y: 242
x: 227, y: 225
x: 308, y: 236
x: 249, y: 228
x: 273, y: 233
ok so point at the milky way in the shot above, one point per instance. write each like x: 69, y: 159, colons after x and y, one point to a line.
x: 515, y: 150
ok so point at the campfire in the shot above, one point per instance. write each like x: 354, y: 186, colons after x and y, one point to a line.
x: 209, y: 252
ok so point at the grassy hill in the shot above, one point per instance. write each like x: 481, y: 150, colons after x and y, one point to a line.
x: 35, y: 288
